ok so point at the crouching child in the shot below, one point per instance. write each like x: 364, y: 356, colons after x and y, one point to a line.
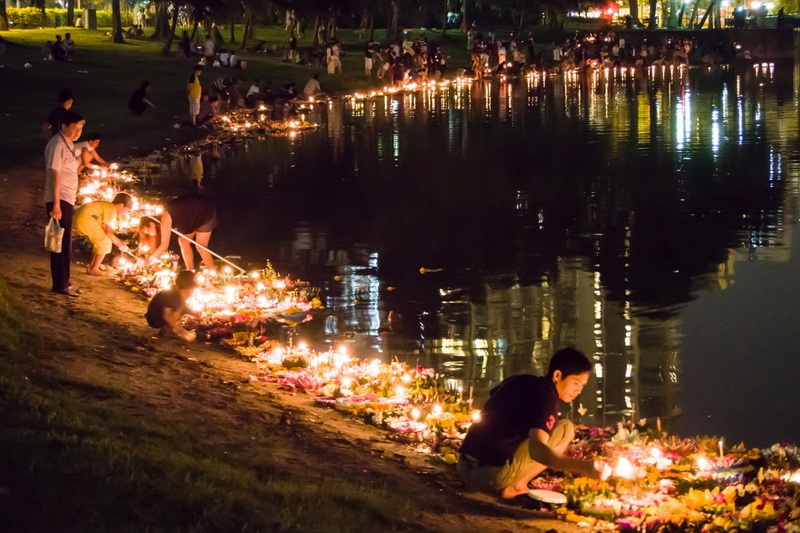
x: 165, y: 310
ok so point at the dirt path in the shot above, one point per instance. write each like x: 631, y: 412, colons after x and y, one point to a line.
x: 105, y: 352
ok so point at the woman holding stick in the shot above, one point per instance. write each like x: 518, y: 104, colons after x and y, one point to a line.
x: 195, y: 217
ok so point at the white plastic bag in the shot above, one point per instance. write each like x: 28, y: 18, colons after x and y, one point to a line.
x: 53, y: 235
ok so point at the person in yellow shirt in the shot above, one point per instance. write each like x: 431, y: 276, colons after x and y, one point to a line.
x: 94, y: 220
x: 194, y: 91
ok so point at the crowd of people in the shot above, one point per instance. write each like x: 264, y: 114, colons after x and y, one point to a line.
x: 59, y: 49
x: 491, y: 55
x: 191, y: 216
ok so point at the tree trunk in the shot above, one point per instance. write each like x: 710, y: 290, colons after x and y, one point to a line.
x: 394, y: 20
x: 70, y: 12
x: 3, y: 19
x: 161, y: 30
x: 248, y: 27
x: 651, y: 24
x: 672, y: 21
x: 233, y: 32
x: 634, y: 7
x: 371, y: 25
x: 332, y: 27
x: 556, y: 23
x: 521, y: 21
x: 116, y: 22
x: 444, y: 21
x: 706, y: 14
x: 690, y: 21
x: 168, y: 45
x: 315, y: 35
x: 194, y: 28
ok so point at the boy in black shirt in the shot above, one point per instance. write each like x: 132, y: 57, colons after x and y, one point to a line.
x: 518, y: 435
x: 166, y: 309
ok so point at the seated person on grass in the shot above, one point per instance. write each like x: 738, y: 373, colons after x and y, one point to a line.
x: 165, y: 310
x: 93, y: 220
x: 519, y: 435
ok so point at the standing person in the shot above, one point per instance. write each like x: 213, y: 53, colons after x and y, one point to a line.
x: 139, y: 101
x: 186, y: 45
x: 193, y: 91
x: 165, y: 310
x: 518, y: 435
x: 88, y: 153
x: 333, y: 57
x: 52, y: 125
x: 209, y: 50
x: 60, y: 193
x: 195, y: 216
x: 93, y: 220
x: 369, y: 53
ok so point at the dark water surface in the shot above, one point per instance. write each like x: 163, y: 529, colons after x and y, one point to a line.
x: 650, y: 220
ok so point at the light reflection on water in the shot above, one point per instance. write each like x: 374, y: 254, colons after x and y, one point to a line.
x: 597, y: 210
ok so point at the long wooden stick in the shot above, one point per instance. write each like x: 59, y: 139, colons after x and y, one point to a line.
x: 179, y: 234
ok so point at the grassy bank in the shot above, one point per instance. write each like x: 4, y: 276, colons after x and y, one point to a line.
x: 103, y: 75
x: 72, y: 458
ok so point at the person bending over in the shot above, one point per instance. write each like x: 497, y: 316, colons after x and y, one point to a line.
x: 195, y: 217
x: 519, y: 435
x: 93, y: 220
x: 90, y: 159
x: 165, y: 310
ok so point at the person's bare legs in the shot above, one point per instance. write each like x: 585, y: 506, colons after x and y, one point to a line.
x: 562, y: 435
x: 521, y: 485
x: 186, y: 251
x: 203, y: 238
x: 172, y: 327
x: 94, y: 265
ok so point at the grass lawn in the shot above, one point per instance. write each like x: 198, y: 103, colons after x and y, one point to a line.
x: 103, y: 75
x: 74, y: 456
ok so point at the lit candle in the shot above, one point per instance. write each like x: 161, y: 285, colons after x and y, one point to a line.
x: 721, y: 444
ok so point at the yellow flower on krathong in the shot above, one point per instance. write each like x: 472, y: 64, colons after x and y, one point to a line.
x: 653, y: 475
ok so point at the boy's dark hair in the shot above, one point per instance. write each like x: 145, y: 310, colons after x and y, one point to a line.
x: 65, y: 94
x: 123, y: 198
x: 94, y: 136
x: 197, y: 67
x: 570, y: 362
x: 71, y: 117
x: 185, y: 280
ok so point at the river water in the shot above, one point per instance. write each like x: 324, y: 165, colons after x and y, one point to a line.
x: 648, y: 218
